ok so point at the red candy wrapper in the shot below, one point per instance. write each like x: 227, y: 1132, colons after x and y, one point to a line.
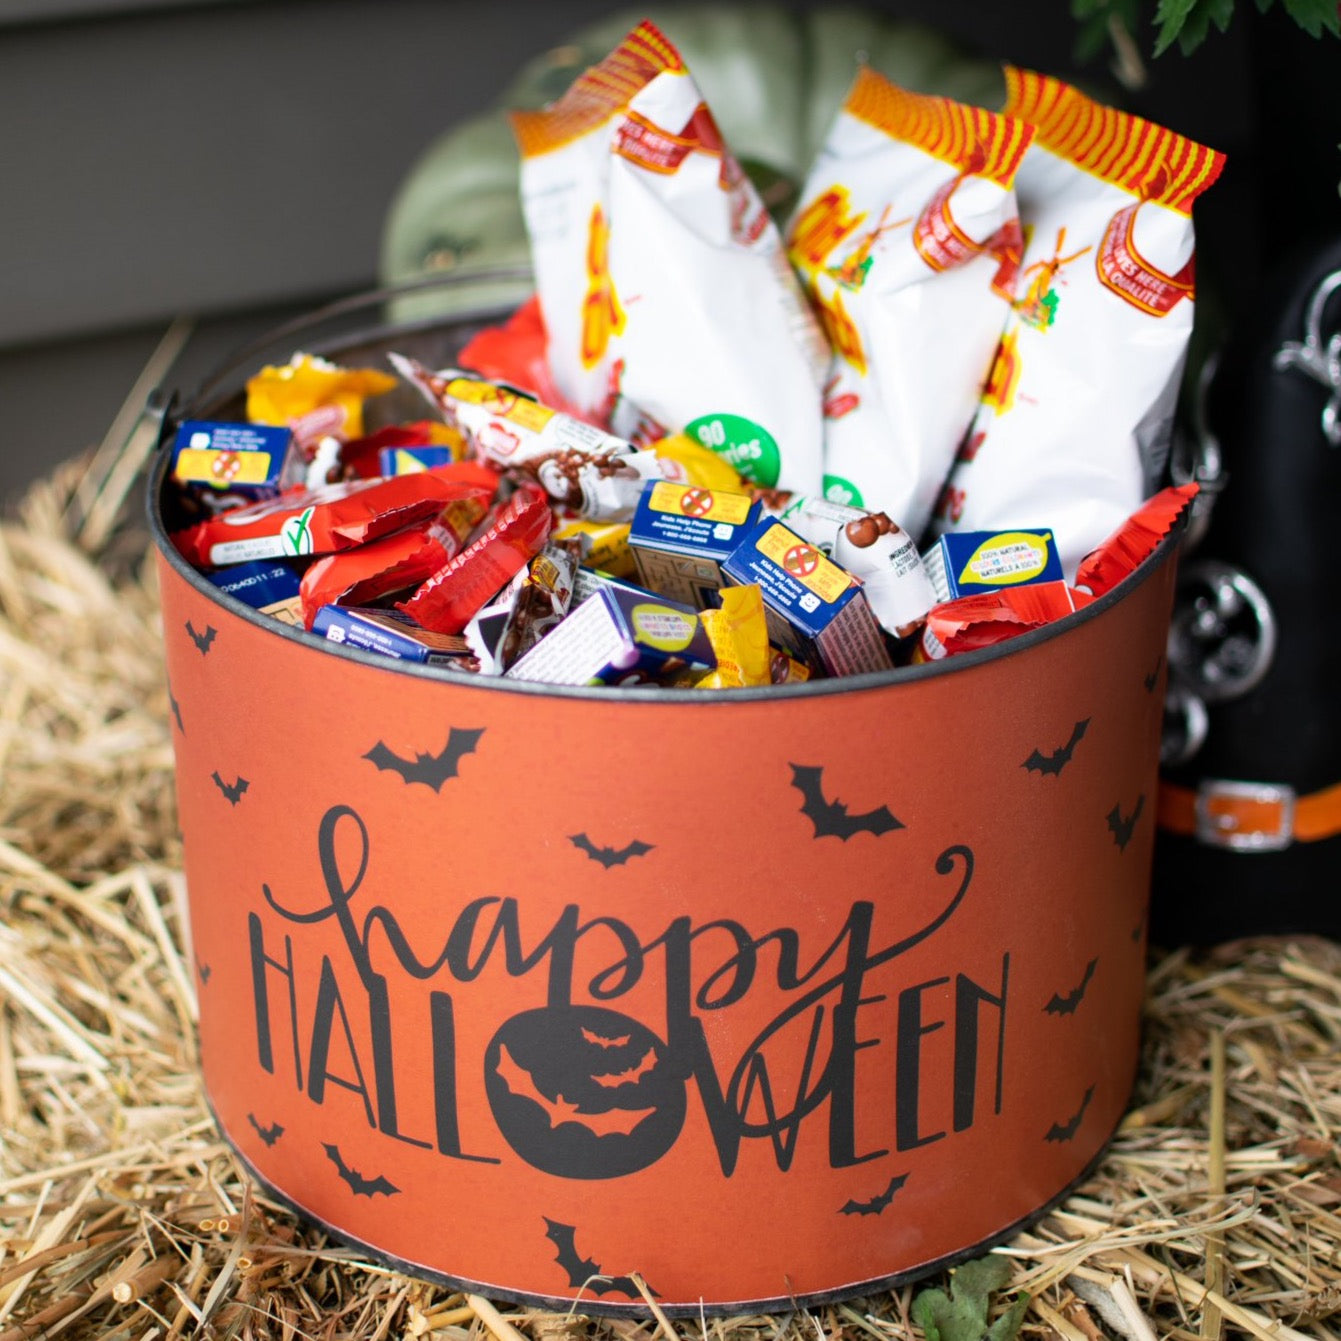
x: 990, y: 617
x: 362, y: 456
x: 1133, y: 542
x: 321, y: 521
x: 515, y: 353
x: 362, y: 575
x: 448, y: 600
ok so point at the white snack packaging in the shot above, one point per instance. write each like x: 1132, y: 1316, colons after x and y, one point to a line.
x: 1075, y: 418
x: 665, y: 288
x: 907, y: 239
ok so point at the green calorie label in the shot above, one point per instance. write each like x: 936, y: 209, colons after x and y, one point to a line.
x: 741, y: 443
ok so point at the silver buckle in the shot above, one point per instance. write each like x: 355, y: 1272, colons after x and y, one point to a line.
x: 1218, y: 826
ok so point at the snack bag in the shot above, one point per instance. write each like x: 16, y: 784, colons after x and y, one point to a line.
x: 1074, y: 421
x: 908, y: 241
x: 663, y: 282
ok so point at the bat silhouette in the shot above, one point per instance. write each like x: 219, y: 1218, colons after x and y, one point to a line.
x: 876, y: 1203
x: 204, y: 970
x: 602, y: 1042
x: 1152, y: 679
x: 609, y: 856
x: 583, y: 1271
x: 359, y: 1185
x: 1066, y: 1005
x: 430, y: 769
x: 647, y: 1062
x: 269, y: 1134
x: 232, y: 790
x: 558, y: 1110
x: 1122, y: 825
x: 176, y: 711
x: 1065, y: 1131
x: 830, y: 818
x: 1038, y: 762
x: 202, y: 640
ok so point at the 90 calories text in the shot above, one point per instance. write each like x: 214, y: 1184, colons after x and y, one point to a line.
x: 849, y: 1055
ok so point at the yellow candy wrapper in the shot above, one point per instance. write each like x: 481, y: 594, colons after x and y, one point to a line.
x: 314, y: 397
x: 739, y: 637
x: 683, y: 461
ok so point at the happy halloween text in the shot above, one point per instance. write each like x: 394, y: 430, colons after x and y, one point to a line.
x: 819, y: 1061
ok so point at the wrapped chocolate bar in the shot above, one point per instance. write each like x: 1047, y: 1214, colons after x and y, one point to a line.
x: 404, y: 559
x: 270, y: 587
x: 390, y: 634
x: 990, y: 617
x: 1135, y: 540
x: 452, y: 596
x: 593, y: 473
x: 541, y: 599
x: 1074, y: 422
x: 663, y: 282
x: 320, y: 521
x: 908, y: 241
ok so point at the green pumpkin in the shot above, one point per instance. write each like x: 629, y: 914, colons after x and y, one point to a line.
x: 774, y: 79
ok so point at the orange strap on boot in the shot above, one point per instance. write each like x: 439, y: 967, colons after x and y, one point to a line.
x: 1249, y: 816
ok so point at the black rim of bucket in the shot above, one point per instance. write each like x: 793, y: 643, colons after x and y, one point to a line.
x: 593, y: 1305
x: 214, y: 388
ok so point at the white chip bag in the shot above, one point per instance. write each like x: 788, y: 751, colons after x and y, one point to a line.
x: 908, y: 241
x: 666, y: 292
x: 1072, y: 431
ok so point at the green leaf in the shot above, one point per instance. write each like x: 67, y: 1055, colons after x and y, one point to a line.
x: 1313, y: 16
x: 961, y: 1315
x: 1095, y: 20
x: 1172, y: 16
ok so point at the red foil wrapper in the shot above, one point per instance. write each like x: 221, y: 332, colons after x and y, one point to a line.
x: 320, y: 521
x: 362, y: 575
x: 991, y: 617
x: 448, y: 600
x: 514, y: 353
x: 1134, y: 541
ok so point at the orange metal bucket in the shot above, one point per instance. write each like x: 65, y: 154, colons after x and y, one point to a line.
x: 756, y: 997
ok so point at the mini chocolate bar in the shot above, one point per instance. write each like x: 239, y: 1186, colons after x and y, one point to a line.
x: 365, y: 574
x: 268, y: 587
x: 681, y: 535
x: 1134, y: 540
x: 389, y: 633
x: 817, y: 612
x: 618, y: 637
x: 542, y: 598
x: 319, y: 521
x: 253, y: 460
x: 962, y: 562
x: 449, y: 599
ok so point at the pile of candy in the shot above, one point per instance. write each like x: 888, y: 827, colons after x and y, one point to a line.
x: 711, y: 452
